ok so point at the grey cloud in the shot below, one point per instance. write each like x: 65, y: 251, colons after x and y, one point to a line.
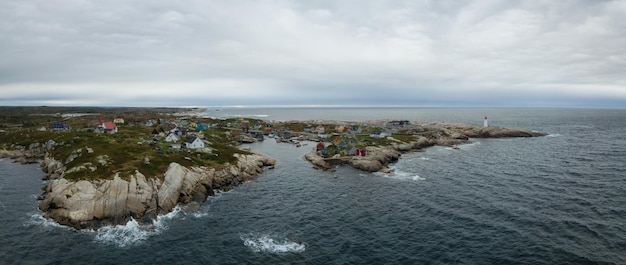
x: 311, y: 52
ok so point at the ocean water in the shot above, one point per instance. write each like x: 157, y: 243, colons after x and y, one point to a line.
x: 559, y: 199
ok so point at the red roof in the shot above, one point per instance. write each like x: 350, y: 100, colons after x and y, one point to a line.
x: 109, y: 125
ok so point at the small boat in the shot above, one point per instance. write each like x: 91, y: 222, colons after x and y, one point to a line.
x: 271, y: 135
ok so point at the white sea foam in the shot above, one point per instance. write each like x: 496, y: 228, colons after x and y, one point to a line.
x: 124, y: 235
x: 271, y: 244
x: 554, y: 135
x: 133, y: 233
x: 200, y: 214
x: 38, y: 220
x: 401, y: 175
x: 406, y: 175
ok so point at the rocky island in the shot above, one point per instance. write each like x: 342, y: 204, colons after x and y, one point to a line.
x: 375, y: 151
x: 106, y: 166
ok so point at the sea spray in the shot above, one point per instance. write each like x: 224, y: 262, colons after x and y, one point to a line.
x: 37, y: 220
x: 258, y: 242
x: 133, y: 233
x: 400, y: 174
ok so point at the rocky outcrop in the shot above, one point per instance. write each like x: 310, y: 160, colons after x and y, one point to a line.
x: 499, y: 132
x: 445, y: 134
x: 457, y: 130
x: 93, y: 204
x: 378, y: 159
x: 30, y: 154
x: 25, y: 154
x: 52, y: 167
x: 317, y: 160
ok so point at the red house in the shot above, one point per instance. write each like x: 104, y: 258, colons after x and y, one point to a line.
x: 320, y: 146
x: 106, y: 127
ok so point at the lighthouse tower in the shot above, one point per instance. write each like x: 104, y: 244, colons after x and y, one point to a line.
x: 486, y: 122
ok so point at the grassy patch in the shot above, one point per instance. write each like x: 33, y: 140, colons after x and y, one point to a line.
x: 371, y: 141
x: 404, y: 137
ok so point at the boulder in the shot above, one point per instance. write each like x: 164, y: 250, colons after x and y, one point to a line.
x: 169, y: 192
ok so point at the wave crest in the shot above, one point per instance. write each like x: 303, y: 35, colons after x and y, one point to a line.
x: 401, y: 175
x: 133, y: 233
x: 271, y: 244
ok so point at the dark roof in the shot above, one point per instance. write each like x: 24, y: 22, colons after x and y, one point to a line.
x: 58, y: 125
x: 191, y: 139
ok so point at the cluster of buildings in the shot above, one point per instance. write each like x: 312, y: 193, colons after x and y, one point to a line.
x: 177, y: 133
x: 192, y: 139
x: 343, y: 140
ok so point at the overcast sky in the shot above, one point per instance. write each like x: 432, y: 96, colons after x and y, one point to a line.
x: 394, y: 53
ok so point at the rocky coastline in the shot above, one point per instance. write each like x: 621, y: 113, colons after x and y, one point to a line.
x: 378, y: 158
x: 160, y: 178
x: 92, y: 204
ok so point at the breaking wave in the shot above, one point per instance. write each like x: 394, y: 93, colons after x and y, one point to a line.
x: 38, y: 220
x: 400, y: 174
x: 271, y: 244
x: 133, y: 233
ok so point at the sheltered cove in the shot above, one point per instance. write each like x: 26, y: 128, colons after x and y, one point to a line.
x: 90, y: 186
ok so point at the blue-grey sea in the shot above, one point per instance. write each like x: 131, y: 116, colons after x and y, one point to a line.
x: 559, y: 199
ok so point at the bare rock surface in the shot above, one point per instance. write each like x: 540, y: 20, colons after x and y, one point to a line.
x: 93, y: 204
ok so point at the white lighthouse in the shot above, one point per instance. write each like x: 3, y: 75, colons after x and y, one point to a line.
x: 486, y: 122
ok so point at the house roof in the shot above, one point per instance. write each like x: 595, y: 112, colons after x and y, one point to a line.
x: 58, y: 125
x: 191, y: 139
x: 109, y: 125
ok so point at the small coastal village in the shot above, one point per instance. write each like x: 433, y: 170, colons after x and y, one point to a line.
x: 107, y: 166
x: 175, y: 133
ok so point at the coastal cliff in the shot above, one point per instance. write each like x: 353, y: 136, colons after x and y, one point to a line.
x: 96, y: 203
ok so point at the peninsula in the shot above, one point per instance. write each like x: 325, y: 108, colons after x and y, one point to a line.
x: 106, y: 166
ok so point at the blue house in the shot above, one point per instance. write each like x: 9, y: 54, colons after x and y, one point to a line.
x: 201, y: 127
x: 59, y: 126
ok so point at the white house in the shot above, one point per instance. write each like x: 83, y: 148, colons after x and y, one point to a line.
x: 106, y: 127
x: 194, y: 143
x: 320, y: 129
x: 379, y: 135
x: 172, y: 137
x: 118, y: 121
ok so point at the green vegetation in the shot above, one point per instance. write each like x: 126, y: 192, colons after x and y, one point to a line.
x: 100, y: 155
x: 371, y: 141
x: 404, y: 137
x: 137, y: 147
